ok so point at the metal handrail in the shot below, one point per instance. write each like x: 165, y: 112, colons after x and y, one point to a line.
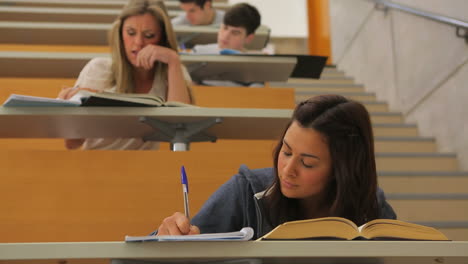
x: 461, y: 26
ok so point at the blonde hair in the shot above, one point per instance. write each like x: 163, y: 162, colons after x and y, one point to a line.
x: 121, y: 67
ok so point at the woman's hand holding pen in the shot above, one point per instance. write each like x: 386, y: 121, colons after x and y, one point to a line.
x: 177, y: 224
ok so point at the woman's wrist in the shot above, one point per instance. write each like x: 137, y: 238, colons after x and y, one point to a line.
x: 174, y: 59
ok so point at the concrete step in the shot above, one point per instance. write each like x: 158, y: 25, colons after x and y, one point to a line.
x: 331, y: 70
x: 416, y: 162
x: 328, y: 79
x: 319, y: 86
x: 395, y: 130
x: 405, y: 144
x: 333, y: 75
x: 424, y: 182
x: 386, y: 117
x: 454, y: 230
x: 430, y: 207
x: 375, y: 106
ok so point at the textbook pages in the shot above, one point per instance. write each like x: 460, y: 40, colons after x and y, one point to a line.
x: 86, y: 98
x: 334, y: 228
x: 244, y: 234
x: 26, y: 100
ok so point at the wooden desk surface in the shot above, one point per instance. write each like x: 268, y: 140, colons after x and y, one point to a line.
x: 76, y: 122
x: 64, y: 14
x: 170, y: 5
x: 268, y: 252
x: 245, y: 68
x: 88, y: 33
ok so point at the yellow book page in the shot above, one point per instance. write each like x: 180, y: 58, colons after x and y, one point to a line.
x: 395, y: 229
x: 327, y: 227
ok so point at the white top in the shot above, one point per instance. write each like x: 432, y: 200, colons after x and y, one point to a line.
x: 206, y: 49
x: 181, y: 20
x: 97, y: 74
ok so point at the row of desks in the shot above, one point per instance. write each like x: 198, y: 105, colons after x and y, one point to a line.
x: 79, y: 122
x: 87, y: 23
x: 67, y: 33
x: 103, y: 4
x: 64, y: 14
x: 294, y: 252
x: 244, y: 68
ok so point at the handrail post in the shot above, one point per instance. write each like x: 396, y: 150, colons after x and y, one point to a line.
x: 461, y: 26
x: 462, y: 33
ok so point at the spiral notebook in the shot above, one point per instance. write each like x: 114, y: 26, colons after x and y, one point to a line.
x: 244, y: 234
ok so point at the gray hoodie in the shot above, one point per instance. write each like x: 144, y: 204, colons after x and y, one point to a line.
x: 238, y: 203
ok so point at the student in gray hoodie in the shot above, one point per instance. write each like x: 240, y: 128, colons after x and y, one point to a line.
x: 324, y: 165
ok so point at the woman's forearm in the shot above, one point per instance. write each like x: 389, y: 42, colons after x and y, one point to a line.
x: 177, y: 86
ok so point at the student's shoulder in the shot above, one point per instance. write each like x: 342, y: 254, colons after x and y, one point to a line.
x: 100, y: 63
x: 385, y: 209
x: 97, y: 74
x: 258, y: 179
x: 180, y: 20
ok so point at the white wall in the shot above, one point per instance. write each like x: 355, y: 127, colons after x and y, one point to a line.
x: 286, y: 18
x: 418, y: 65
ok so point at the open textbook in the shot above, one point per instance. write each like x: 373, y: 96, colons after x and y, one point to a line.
x: 86, y: 98
x: 344, y: 229
x: 244, y: 234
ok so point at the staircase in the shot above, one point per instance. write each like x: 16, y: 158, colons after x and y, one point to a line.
x: 423, y: 185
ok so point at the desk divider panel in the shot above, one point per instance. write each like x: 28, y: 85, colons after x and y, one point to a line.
x: 206, y: 96
x: 54, y: 48
x: 105, y: 195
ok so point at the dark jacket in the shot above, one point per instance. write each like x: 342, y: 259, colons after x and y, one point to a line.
x: 237, y: 204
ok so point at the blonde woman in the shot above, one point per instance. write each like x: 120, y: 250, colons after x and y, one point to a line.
x: 144, y: 60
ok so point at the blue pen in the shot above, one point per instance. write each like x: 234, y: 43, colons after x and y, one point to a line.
x: 185, y: 189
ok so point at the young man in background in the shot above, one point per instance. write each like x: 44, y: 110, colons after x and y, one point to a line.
x: 237, y: 30
x: 198, y: 13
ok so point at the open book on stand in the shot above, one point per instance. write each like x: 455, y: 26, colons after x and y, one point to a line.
x: 244, y: 234
x: 86, y: 98
x: 343, y: 229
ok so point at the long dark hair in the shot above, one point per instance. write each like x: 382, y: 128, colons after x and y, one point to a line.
x: 351, y: 192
